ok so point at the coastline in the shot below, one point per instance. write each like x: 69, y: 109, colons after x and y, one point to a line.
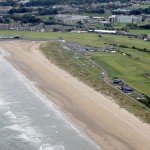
x: 97, y: 115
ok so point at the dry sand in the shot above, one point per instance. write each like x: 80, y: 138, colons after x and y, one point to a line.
x: 104, y: 121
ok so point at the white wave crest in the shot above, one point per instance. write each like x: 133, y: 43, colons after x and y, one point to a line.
x: 49, y: 147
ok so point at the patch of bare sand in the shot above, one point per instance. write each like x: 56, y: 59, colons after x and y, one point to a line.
x: 104, y: 121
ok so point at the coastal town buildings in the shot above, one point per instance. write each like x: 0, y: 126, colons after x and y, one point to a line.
x: 125, y: 18
x: 71, y: 19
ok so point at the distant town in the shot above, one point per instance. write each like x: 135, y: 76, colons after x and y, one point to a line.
x: 42, y: 16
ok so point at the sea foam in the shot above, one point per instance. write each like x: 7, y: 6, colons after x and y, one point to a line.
x: 49, y: 147
x: 27, y: 132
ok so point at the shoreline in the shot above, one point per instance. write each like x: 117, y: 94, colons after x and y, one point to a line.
x: 91, y: 110
x: 75, y: 124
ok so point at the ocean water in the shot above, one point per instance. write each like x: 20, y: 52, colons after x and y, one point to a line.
x: 29, y: 121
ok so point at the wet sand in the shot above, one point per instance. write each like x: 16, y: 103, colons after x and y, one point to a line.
x: 104, y: 121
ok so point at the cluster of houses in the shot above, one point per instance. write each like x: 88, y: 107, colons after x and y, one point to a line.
x: 73, y: 19
x: 122, y: 86
x: 72, y: 23
x: 64, y: 21
x: 87, y: 21
x: 38, y: 28
x: 127, y: 89
x: 77, y: 23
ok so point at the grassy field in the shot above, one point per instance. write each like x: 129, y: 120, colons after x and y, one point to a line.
x: 136, y: 31
x: 141, y: 6
x: 105, y: 15
x: 132, y: 31
x: 124, y: 40
x: 91, y: 76
x: 119, y: 25
x: 90, y: 39
x: 45, y: 17
x: 130, y: 69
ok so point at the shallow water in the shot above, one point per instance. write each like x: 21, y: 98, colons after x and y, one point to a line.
x: 29, y: 121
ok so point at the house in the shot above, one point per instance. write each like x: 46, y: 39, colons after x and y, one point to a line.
x: 117, y: 81
x: 147, y: 38
x: 126, y: 89
x: 105, y: 23
x: 112, y: 19
x: 129, y: 19
x: 125, y: 18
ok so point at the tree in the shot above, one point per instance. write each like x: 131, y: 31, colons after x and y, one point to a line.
x: 7, y: 20
x: 30, y: 18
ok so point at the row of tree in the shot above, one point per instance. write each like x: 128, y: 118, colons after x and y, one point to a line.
x: 140, y: 11
x: 49, y: 10
x: 7, y: 3
x: 18, y: 10
x: 27, y: 18
x: 52, y: 2
x: 76, y: 2
x: 133, y: 12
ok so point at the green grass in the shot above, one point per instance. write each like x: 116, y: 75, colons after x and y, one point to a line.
x: 105, y: 15
x: 144, y: 57
x: 83, y: 38
x: 90, y: 39
x: 90, y: 76
x: 119, y: 25
x: 45, y: 17
x: 141, y: 6
x: 133, y: 31
x: 124, y: 40
x: 138, y: 32
x: 132, y: 70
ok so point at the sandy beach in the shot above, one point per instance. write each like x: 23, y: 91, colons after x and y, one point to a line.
x: 101, y: 119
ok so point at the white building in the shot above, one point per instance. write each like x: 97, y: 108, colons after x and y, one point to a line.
x: 125, y: 19
x: 113, y: 18
x: 99, y: 18
x: 129, y: 19
x: 71, y: 19
x: 106, y: 31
